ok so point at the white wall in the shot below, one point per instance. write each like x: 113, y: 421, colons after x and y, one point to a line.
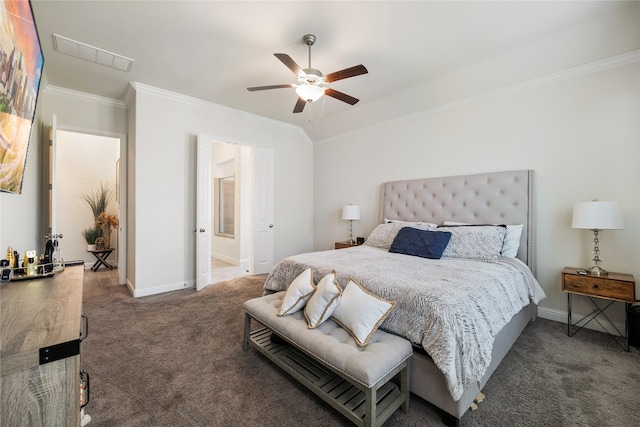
x: 577, y: 128
x: 83, y: 163
x: 166, y: 126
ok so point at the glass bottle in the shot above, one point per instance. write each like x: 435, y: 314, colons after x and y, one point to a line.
x: 57, y: 256
x: 10, y: 257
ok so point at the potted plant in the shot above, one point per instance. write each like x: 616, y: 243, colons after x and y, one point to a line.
x: 90, y: 235
x: 97, y: 199
x: 106, y: 222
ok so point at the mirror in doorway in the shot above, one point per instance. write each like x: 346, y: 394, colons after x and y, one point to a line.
x: 224, y: 197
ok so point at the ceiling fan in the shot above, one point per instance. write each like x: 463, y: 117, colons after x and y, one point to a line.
x: 312, y: 84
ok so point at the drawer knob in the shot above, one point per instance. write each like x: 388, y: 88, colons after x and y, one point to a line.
x: 595, y: 286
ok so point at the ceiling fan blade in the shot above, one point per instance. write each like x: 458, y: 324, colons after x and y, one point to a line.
x: 346, y: 73
x: 252, y: 89
x: 300, y: 103
x: 291, y: 64
x: 341, y: 96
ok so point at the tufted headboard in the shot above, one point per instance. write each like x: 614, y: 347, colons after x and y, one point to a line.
x: 487, y: 198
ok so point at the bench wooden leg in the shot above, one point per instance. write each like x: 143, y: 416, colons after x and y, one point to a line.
x: 370, y: 407
x: 247, y: 327
x: 404, y: 387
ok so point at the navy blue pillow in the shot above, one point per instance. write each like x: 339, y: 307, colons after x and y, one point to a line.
x: 422, y: 243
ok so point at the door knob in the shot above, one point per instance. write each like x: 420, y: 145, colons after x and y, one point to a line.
x: 202, y: 230
x: 270, y: 225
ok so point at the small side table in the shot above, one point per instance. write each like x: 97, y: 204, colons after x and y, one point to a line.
x: 345, y: 244
x: 101, y: 255
x: 615, y: 287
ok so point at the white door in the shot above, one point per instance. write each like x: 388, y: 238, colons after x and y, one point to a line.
x: 52, y: 176
x: 121, y: 188
x: 261, y: 258
x: 203, y: 212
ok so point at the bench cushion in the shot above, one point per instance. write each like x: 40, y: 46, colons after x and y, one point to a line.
x: 332, y: 344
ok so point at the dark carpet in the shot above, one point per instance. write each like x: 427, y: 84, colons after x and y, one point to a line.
x: 176, y: 359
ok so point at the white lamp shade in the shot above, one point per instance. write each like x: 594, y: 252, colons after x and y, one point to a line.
x: 351, y: 212
x: 309, y: 92
x: 597, y: 215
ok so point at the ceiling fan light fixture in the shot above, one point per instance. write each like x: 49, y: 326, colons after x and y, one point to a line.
x: 312, y: 84
x: 309, y: 92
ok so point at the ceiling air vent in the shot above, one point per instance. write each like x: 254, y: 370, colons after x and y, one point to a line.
x: 90, y: 53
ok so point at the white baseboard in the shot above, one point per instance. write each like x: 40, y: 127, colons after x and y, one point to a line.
x: 562, y: 317
x: 168, y: 287
x: 231, y: 260
x: 225, y: 258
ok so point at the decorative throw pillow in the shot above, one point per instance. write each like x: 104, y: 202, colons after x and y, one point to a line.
x: 298, y: 293
x: 383, y: 235
x: 361, y: 312
x: 422, y: 243
x: 475, y: 242
x: 323, y: 301
x: 511, y: 242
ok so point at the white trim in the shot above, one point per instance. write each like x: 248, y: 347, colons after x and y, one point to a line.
x: 87, y: 96
x: 238, y: 262
x: 167, y: 287
x: 570, y: 73
x: 562, y: 316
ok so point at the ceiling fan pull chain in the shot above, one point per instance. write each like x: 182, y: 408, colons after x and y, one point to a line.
x: 321, y: 112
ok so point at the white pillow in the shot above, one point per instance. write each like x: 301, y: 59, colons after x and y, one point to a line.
x: 298, y: 292
x: 384, y: 234
x: 511, y: 242
x: 360, y: 312
x: 323, y: 302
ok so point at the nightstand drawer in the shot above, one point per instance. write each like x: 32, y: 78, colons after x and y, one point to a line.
x: 601, y: 287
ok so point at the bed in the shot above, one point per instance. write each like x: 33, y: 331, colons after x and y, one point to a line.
x: 446, y: 370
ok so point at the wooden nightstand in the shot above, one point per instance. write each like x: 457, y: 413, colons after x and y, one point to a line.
x: 345, y: 244
x: 615, y: 287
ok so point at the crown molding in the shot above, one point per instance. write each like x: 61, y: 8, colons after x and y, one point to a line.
x: 570, y: 73
x: 57, y: 90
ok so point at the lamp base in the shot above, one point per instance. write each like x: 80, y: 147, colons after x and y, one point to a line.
x: 598, y: 271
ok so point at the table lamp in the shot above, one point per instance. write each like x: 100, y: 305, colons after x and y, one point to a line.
x: 597, y: 216
x: 351, y: 213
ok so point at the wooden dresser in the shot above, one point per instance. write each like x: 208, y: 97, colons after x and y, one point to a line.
x: 40, y: 350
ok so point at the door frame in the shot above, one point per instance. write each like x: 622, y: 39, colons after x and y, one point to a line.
x: 253, y: 228
x: 122, y: 204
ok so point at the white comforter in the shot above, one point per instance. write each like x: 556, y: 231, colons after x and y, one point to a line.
x: 452, y: 307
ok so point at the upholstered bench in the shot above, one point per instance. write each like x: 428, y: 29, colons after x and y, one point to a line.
x: 366, y: 384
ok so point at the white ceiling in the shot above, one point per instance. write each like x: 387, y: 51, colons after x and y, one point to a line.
x: 213, y: 50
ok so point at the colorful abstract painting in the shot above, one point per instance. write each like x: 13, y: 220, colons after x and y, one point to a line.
x: 21, y: 63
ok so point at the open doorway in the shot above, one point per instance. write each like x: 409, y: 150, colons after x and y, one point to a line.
x: 257, y: 172
x: 231, y: 210
x: 86, y: 166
